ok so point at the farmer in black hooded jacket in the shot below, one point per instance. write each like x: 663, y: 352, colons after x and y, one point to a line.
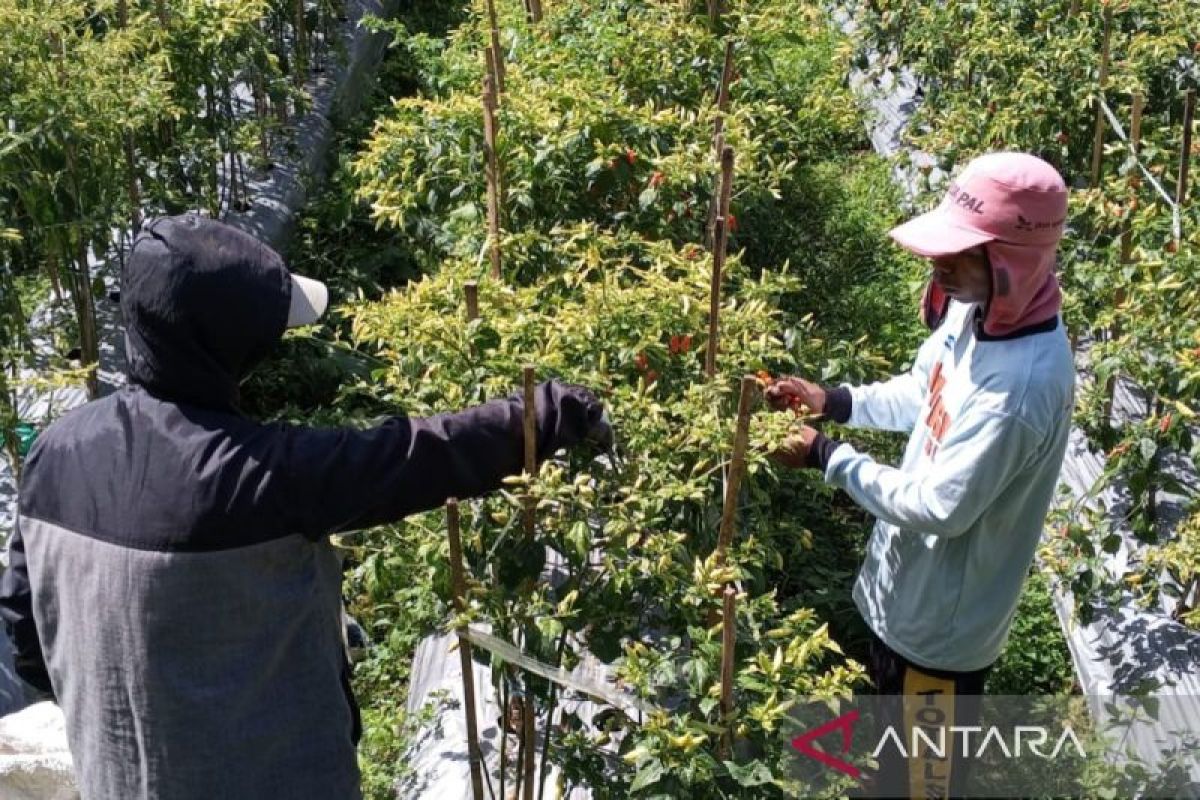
x: 171, y: 579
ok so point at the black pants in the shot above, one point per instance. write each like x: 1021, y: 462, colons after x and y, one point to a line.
x: 929, y: 699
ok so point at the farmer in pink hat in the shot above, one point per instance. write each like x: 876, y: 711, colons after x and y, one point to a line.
x: 988, y: 407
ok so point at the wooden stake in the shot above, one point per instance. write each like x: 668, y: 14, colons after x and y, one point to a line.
x: 504, y: 702
x: 529, y: 742
x: 720, y: 243
x: 715, y: 9
x: 1189, y: 114
x: 459, y: 582
x: 728, y: 645
x: 714, y: 299
x: 1098, y: 138
x: 492, y: 174
x: 1135, y: 144
x: 1119, y: 296
x: 496, y: 56
x: 727, y: 162
x: 534, y: 7
x: 471, y: 293
x: 715, y: 203
x: 723, y: 93
x: 737, y: 466
x: 530, y: 442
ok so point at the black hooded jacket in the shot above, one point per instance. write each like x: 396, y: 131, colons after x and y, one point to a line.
x: 171, y: 579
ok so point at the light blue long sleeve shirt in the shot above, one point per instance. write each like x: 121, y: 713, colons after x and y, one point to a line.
x: 958, y: 522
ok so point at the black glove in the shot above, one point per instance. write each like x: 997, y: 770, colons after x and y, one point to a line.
x: 568, y: 415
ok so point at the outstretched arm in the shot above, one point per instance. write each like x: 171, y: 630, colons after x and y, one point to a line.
x: 344, y: 479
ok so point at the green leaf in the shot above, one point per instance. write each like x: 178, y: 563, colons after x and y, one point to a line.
x: 755, y: 773
x: 579, y: 539
x: 650, y: 773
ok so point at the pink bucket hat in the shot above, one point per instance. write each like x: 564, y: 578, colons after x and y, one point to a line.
x: 1015, y: 205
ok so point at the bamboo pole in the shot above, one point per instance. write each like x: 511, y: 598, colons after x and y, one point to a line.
x: 726, y: 194
x: 737, y: 466
x: 492, y: 174
x: 504, y: 703
x: 715, y: 9
x: 530, y: 412
x: 714, y: 301
x: 300, y: 65
x: 1098, y: 138
x: 728, y: 645
x: 529, y: 741
x: 1119, y: 297
x: 497, y: 57
x: 1135, y: 145
x: 533, y: 9
x: 528, y: 710
x: 471, y: 293
x: 723, y: 92
x: 1189, y: 114
x: 491, y: 80
x: 719, y: 140
x: 459, y: 581
x: 720, y: 244
x: 715, y: 203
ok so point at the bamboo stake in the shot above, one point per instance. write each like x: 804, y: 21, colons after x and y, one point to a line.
x: 1135, y: 143
x: 528, y: 709
x: 530, y: 410
x: 504, y: 702
x: 1098, y: 138
x: 737, y: 466
x: 719, y: 139
x: 715, y: 9
x: 723, y: 92
x: 131, y: 187
x: 300, y: 66
x: 497, y: 58
x: 492, y: 173
x: 464, y: 649
x: 720, y: 244
x: 714, y: 300
x: 533, y: 10
x: 726, y: 194
x: 728, y: 644
x: 715, y: 203
x: 1189, y: 114
x: 490, y: 71
x: 529, y: 741
x: 471, y: 292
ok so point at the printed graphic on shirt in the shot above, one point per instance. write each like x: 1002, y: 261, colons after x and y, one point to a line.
x: 937, y: 420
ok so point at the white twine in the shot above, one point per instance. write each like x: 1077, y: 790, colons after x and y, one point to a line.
x: 1176, y: 223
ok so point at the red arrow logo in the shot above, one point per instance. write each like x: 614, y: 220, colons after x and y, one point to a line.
x: 845, y: 723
